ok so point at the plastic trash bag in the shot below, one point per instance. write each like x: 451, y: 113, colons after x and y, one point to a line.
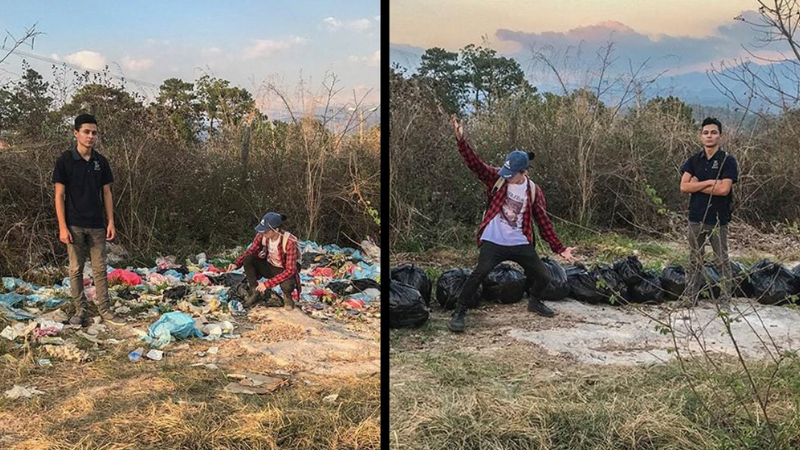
x: 413, y: 276
x: 610, y: 285
x: 629, y: 269
x: 557, y: 288
x: 773, y: 283
x: 648, y: 289
x: 407, y: 308
x: 742, y: 287
x: 450, y: 285
x: 504, y: 284
x: 673, y: 281
x: 173, y: 324
x: 582, y: 285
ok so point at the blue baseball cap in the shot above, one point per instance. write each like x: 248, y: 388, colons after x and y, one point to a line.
x: 516, y: 162
x: 271, y: 221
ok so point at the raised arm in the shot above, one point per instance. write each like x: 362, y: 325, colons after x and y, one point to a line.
x: 485, y: 172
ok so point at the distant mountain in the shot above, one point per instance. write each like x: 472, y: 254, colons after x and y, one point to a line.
x: 694, y: 88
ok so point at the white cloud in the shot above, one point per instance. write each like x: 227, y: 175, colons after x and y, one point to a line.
x: 267, y: 47
x: 373, y: 60
x: 87, y: 60
x: 136, y: 64
x: 358, y: 25
x: 55, y: 56
x: 333, y: 24
x: 377, y: 18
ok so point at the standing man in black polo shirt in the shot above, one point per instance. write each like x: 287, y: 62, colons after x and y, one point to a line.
x: 709, y: 176
x: 82, y: 179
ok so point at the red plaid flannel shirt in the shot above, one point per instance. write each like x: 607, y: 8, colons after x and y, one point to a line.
x: 535, y: 210
x: 288, y: 258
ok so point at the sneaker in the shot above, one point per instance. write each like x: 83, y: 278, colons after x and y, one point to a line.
x: 109, y: 317
x: 77, y: 320
x: 536, y: 305
x: 458, y: 319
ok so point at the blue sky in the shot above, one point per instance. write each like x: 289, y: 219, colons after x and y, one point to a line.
x: 246, y: 42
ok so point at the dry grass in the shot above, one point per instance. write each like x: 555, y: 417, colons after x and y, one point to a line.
x: 458, y: 400
x: 111, y: 403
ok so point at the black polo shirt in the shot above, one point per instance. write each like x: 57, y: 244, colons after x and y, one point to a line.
x: 84, y: 181
x: 722, y: 165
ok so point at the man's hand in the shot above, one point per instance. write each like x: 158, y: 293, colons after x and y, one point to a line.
x: 261, y: 288
x: 64, y: 235
x: 567, y: 254
x: 458, y: 127
x: 231, y: 267
x: 111, y: 232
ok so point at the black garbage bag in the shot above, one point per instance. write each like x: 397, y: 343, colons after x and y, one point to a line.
x: 673, y: 281
x: 629, y: 269
x: 742, y: 287
x: 610, y: 285
x: 504, y: 284
x: 228, y: 279
x: 362, y: 284
x: 449, y: 286
x: 413, y: 276
x: 712, y: 283
x: 309, y: 259
x: 583, y: 285
x: 176, y: 293
x: 126, y: 294
x: 558, y: 287
x: 773, y: 283
x: 340, y: 287
x: 407, y: 308
x: 648, y: 289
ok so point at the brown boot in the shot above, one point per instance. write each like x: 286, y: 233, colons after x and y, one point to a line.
x: 288, y: 302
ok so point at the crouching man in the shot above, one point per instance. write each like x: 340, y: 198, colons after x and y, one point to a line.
x: 272, y: 255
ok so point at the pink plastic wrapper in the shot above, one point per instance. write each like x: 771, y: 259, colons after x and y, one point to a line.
x: 199, y: 278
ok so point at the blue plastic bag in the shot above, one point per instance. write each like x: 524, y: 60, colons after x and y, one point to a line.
x: 172, y: 324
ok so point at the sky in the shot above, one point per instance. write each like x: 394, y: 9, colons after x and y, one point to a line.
x: 249, y: 43
x: 671, y: 38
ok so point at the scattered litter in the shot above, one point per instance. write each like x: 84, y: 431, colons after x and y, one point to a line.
x: 44, y: 362
x: 96, y: 329
x: 331, y: 398
x: 213, y: 350
x: 20, y: 391
x: 254, y: 384
x: 155, y: 355
x: 136, y: 354
x: 67, y: 351
x: 172, y: 324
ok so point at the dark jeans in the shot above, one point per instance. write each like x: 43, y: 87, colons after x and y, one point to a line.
x: 88, y: 242
x: 491, y: 254
x: 701, y: 234
x: 256, y: 268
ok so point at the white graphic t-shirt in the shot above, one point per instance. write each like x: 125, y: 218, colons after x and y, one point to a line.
x: 272, y: 256
x: 506, y: 227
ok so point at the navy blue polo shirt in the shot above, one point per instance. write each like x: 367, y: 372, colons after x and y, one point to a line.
x: 720, y: 166
x: 84, y: 181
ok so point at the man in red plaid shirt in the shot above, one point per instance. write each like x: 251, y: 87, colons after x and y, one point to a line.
x: 506, y: 232
x: 272, y: 255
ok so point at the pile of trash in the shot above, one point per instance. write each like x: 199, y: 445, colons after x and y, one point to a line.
x: 197, y: 299
x: 625, y: 281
